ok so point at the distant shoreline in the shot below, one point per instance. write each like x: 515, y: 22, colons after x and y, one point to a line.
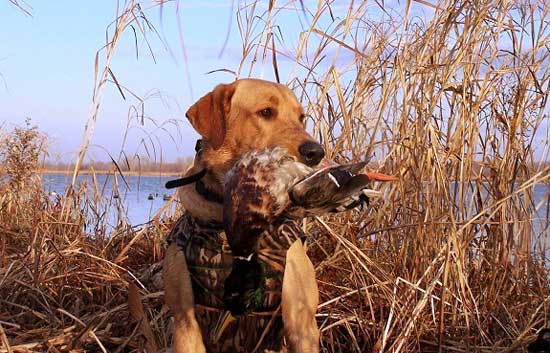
x: 110, y: 172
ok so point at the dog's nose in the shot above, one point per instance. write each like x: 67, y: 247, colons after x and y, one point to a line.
x: 312, y: 152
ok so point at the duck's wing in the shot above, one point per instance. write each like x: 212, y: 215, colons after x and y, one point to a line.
x: 335, y: 189
x: 319, y: 187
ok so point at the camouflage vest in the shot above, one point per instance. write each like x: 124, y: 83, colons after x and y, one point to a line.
x: 209, y: 261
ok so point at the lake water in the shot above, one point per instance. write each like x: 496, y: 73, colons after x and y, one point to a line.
x: 143, y: 196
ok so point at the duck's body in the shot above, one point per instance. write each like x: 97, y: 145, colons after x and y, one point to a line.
x: 256, y: 195
x: 267, y: 188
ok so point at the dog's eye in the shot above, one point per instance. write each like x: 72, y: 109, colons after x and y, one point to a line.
x: 266, y: 113
x: 302, y: 118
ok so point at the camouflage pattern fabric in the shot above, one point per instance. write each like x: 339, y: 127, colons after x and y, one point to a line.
x: 209, y: 260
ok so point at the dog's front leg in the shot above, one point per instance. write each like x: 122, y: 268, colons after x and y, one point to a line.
x: 300, y: 298
x: 178, y: 294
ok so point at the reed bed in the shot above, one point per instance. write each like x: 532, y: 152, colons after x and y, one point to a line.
x: 453, y: 259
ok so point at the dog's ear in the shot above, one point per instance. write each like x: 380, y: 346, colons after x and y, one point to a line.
x: 208, y: 115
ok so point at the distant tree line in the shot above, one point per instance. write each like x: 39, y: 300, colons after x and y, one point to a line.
x: 136, y: 165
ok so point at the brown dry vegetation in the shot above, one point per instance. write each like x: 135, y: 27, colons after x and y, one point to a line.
x: 435, y: 266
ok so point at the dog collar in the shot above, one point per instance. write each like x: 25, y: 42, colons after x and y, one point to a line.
x: 208, y: 194
x: 190, y: 179
x: 196, y: 178
x: 199, y: 186
x: 186, y: 180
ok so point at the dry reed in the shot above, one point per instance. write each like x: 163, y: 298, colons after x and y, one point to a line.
x: 455, y: 258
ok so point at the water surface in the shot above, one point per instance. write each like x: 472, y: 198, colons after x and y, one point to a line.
x: 142, y: 196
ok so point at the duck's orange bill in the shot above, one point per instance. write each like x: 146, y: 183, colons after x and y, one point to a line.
x: 380, y: 177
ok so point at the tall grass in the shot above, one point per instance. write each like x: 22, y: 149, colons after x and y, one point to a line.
x: 454, y: 258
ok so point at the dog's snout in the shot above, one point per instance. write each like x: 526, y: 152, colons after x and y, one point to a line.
x: 312, y: 152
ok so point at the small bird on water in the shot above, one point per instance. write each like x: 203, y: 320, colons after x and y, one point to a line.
x: 542, y: 343
x: 266, y: 188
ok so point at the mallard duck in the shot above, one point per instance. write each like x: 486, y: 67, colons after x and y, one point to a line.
x: 267, y: 187
x: 542, y: 343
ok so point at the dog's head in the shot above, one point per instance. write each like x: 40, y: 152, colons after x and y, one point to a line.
x: 251, y: 114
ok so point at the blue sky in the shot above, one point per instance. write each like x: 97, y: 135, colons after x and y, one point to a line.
x: 47, y: 68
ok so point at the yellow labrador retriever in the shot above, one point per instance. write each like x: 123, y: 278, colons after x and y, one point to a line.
x: 248, y: 114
